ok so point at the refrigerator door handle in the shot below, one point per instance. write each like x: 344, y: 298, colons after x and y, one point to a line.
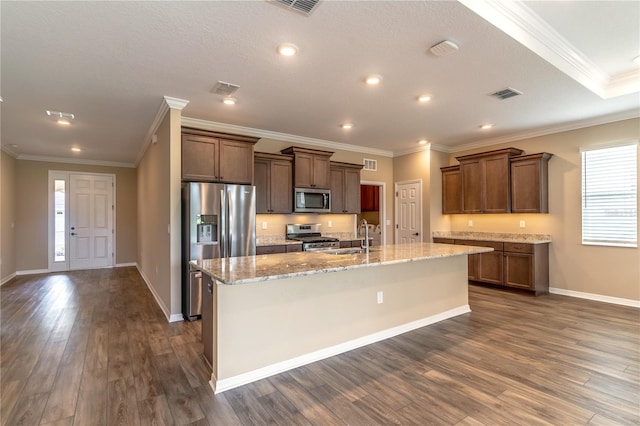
x: 223, y: 224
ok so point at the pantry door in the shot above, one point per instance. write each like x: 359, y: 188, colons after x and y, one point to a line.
x: 409, y: 212
x: 91, y: 231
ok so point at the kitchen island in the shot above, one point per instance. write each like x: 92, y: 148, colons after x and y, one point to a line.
x: 266, y: 314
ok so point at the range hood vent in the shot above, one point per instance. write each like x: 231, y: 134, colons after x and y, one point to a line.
x: 506, y: 93
x: 303, y: 6
x: 224, y: 89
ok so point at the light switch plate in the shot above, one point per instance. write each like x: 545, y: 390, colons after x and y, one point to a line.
x: 522, y: 224
x: 330, y: 224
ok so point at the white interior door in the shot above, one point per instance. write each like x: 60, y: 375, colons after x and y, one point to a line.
x: 90, y: 221
x: 409, y: 212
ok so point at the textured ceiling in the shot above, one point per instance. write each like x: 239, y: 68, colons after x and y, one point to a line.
x: 111, y: 63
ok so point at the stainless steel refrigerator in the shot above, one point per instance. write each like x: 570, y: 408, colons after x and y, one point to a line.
x: 218, y: 220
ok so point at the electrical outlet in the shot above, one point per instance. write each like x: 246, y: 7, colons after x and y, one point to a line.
x: 470, y: 223
x: 330, y: 224
x: 522, y: 224
x: 264, y: 225
x: 380, y: 297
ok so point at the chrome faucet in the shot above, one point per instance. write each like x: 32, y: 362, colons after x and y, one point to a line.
x: 365, y: 243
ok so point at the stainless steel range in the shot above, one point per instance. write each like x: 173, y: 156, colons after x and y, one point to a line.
x: 311, y: 237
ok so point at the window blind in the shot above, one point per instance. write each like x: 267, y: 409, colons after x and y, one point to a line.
x: 609, y: 196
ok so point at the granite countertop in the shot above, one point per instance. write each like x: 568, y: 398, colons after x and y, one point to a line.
x: 494, y: 236
x: 248, y: 269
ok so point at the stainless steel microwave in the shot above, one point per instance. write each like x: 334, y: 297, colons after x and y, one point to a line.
x: 311, y: 200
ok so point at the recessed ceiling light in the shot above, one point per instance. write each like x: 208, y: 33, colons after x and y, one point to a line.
x: 486, y: 126
x: 424, y: 98
x: 347, y: 125
x: 74, y: 149
x: 373, y: 79
x: 229, y: 101
x: 287, y: 49
x: 423, y: 142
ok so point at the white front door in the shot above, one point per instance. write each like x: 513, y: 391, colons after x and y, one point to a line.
x: 409, y: 212
x: 90, y: 221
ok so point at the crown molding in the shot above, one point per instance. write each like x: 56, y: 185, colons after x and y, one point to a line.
x: 267, y: 134
x: 421, y: 148
x: 9, y: 152
x: 576, y: 125
x: 528, y: 28
x: 166, y: 104
x: 74, y: 161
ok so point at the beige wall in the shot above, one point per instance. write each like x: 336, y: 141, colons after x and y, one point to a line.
x: 31, y: 183
x: 158, y: 255
x: 7, y: 217
x: 277, y: 223
x: 384, y: 174
x: 608, y: 271
x: 412, y: 167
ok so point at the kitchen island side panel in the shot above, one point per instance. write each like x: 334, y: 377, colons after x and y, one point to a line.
x: 265, y: 323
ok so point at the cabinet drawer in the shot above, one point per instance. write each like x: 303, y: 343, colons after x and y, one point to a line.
x: 443, y: 240
x: 271, y: 249
x: 518, y: 247
x: 345, y: 243
x: 496, y: 245
x: 294, y: 247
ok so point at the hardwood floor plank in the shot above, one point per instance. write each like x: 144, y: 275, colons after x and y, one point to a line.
x: 155, y: 411
x: 28, y: 409
x: 246, y: 406
x: 122, y: 404
x: 64, y: 394
x: 91, y: 408
x: 216, y: 408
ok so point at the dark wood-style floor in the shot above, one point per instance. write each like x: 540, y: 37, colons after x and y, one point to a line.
x: 92, y: 348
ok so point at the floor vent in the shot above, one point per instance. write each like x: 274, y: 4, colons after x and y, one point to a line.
x: 302, y: 6
x: 371, y: 165
x: 506, y: 93
x: 224, y: 89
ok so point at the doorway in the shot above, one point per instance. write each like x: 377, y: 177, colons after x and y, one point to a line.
x: 81, y: 220
x: 372, y: 206
x: 409, y: 211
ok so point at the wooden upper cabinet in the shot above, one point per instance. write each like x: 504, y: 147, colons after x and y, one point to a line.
x: 345, y: 187
x: 310, y: 167
x: 216, y: 157
x: 530, y: 184
x: 451, y: 190
x: 485, y: 181
x: 274, y: 183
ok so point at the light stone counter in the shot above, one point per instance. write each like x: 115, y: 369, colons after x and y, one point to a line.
x: 249, y: 269
x: 494, y: 236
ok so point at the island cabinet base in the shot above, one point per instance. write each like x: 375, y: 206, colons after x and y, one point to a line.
x: 268, y: 327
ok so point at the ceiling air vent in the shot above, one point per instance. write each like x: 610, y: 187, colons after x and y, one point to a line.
x: 371, y: 165
x: 224, y: 89
x: 302, y: 6
x: 506, y: 93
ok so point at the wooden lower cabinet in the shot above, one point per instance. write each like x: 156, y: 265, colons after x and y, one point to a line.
x: 278, y: 248
x: 517, y: 265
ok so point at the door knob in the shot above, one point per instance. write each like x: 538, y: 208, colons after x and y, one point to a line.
x: 73, y: 233
x: 73, y: 227
x: 416, y: 234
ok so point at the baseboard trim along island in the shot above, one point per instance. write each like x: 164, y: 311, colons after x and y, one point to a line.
x: 263, y: 315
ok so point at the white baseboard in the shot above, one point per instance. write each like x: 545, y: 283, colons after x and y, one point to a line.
x: 7, y: 279
x: 251, y: 376
x: 163, y: 307
x: 33, y: 272
x: 122, y: 265
x: 596, y: 297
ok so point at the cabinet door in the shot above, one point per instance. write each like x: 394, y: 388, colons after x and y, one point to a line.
x: 236, y: 162
x: 529, y: 185
x: 199, y: 158
x: 518, y: 270
x: 451, y: 192
x: 472, y: 266
x: 337, y: 190
x: 281, y: 187
x: 321, y: 175
x: 261, y: 180
x: 352, y: 190
x: 303, y: 171
x: 490, y: 267
x: 496, y: 184
x: 472, y: 195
